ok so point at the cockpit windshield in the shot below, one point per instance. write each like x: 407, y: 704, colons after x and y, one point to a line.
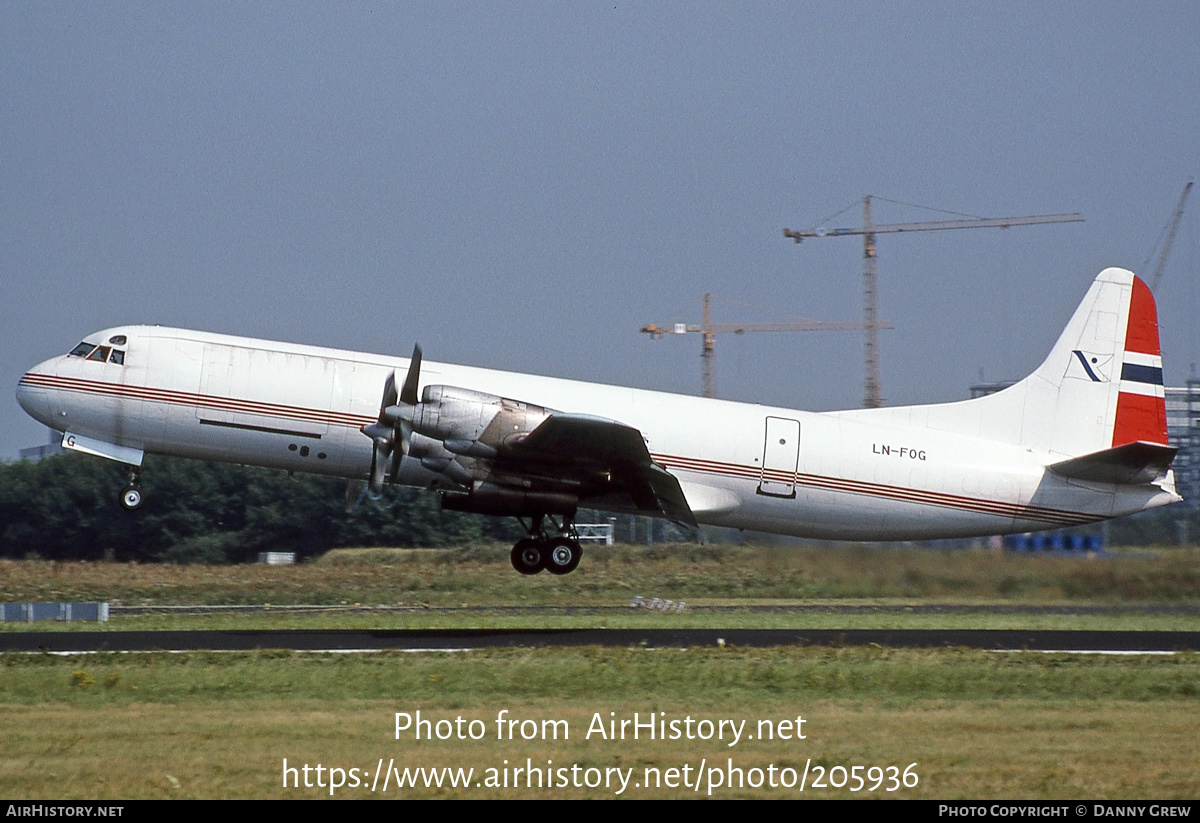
x: 100, y: 354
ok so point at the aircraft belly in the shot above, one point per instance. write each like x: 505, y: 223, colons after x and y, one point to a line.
x: 896, y: 505
x: 832, y: 515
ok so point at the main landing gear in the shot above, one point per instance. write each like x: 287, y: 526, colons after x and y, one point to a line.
x: 131, y: 495
x: 557, y: 552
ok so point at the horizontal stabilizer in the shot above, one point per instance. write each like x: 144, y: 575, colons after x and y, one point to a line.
x: 1130, y: 464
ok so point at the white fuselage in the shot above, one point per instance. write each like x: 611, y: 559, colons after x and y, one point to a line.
x: 842, y: 475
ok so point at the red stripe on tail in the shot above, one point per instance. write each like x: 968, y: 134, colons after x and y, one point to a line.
x: 1141, y: 335
x: 1139, y: 416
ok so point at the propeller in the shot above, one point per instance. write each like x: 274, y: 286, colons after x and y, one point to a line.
x: 395, y: 423
x: 404, y: 413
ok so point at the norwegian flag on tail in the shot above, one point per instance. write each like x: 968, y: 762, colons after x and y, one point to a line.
x: 1141, y: 407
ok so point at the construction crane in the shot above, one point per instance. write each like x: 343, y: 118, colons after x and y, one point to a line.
x: 868, y: 230
x: 710, y: 330
x: 1166, y: 249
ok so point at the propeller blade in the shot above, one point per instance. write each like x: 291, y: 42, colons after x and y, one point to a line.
x: 397, y: 456
x: 408, y: 394
x: 394, y: 426
x: 379, y: 465
x: 404, y: 430
x: 389, y: 396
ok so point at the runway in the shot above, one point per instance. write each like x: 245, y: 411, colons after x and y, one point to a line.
x: 335, y: 640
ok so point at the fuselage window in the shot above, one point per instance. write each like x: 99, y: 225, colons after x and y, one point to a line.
x: 82, y: 350
x: 117, y: 357
x: 100, y: 354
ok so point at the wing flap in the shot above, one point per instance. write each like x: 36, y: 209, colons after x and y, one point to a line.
x: 667, y: 495
x: 1131, y: 464
x: 594, y: 445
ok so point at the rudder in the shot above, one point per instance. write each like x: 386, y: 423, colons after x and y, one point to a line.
x: 1141, y: 402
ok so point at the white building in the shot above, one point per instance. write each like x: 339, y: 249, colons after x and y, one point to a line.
x: 1183, y: 430
x: 52, y: 447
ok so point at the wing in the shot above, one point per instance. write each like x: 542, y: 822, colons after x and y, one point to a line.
x: 495, y: 455
x: 602, y: 459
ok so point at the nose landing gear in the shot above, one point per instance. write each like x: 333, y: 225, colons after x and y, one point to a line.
x: 131, y: 495
x: 557, y: 553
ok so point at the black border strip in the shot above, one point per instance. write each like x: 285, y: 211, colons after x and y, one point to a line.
x: 266, y: 429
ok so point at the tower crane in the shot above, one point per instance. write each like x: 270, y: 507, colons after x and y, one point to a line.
x: 868, y: 230
x: 710, y: 330
x: 1156, y: 275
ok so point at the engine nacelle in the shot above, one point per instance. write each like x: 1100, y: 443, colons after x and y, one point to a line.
x: 453, y: 429
x: 473, y: 423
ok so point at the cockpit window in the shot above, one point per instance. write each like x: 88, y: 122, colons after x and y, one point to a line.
x: 101, y: 354
x: 117, y: 340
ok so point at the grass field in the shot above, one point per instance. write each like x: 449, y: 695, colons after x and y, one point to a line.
x: 976, y: 724
x: 481, y: 575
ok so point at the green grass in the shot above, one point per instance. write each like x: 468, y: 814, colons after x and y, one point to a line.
x: 731, y: 675
x: 977, y: 724
x: 481, y: 575
x: 622, y: 617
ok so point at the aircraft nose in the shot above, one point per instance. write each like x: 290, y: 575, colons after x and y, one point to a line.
x: 33, y: 391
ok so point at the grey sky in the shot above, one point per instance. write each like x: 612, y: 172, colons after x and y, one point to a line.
x: 524, y: 185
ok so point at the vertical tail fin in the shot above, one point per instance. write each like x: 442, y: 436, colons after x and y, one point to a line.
x: 1101, y: 386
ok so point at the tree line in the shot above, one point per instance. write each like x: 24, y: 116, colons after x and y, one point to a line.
x: 66, y: 508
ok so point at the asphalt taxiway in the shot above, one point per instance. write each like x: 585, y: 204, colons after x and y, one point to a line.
x: 337, y: 640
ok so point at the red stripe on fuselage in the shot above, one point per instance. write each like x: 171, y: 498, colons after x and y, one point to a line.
x: 1017, y: 511
x: 177, y: 398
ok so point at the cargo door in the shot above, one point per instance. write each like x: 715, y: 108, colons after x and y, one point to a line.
x: 781, y: 457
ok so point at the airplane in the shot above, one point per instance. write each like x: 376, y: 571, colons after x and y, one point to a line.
x: 1082, y: 439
